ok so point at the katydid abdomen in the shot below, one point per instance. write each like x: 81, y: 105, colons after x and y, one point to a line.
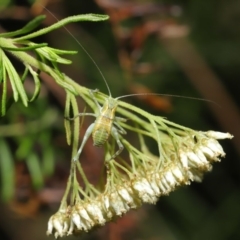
x: 101, y: 130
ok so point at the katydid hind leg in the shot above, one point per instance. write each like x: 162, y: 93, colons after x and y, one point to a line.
x: 121, y: 129
x: 116, y: 135
x: 85, y: 138
x: 120, y: 119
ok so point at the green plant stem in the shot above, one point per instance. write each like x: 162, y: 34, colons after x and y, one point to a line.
x: 83, y: 17
x: 84, y: 177
x: 76, y: 89
x: 28, y: 59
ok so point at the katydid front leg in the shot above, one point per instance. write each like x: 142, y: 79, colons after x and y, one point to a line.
x: 85, y: 138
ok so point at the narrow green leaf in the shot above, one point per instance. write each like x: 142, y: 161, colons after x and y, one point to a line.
x: 48, y: 162
x: 50, y: 50
x: 60, y: 51
x: 52, y: 56
x: 25, y: 146
x: 4, y: 94
x: 16, y: 82
x: 7, y: 171
x: 5, y: 62
x: 4, y: 85
x: 37, y: 84
x: 25, y: 73
x: 59, y: 78
x: 34, y: 168
x: 27, y: 28
x: 93, y: 17
x: 63, y: 22
x: 1, y: 69
x: 21, y: 49
x: 67, y: 124
x: 60, y: 74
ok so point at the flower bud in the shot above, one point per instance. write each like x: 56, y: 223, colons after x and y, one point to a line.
x: 219, y: 135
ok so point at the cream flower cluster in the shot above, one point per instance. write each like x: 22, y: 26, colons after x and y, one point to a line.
x: 193, y: 155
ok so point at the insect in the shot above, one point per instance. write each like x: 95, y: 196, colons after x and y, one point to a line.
x: 106, y: 124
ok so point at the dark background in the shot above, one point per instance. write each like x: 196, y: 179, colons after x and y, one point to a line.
x: 190, y: 49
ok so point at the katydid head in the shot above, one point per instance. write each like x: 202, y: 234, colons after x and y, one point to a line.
x: 110, y: 104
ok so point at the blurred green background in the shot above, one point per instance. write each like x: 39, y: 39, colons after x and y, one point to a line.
x: 187, y: 48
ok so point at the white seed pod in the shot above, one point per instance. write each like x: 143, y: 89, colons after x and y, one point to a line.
x: 106, y: 203
x: 214, y: 146
x: 170, y: 179
x: 66, y: 226
x: 137, y: 201
x: 106, y: 207
x: 84, y: 216
x: 147, y: 186
x: 201, y: 156
x: 71, y: 228
x: 57, y: 234
x: 125, y: 194
x: 190, y: 177
x: 155, y: 186
x: 95, y: 212
x: 178, y: 175
x: 117, y: 204
x: 50, y: 226
x: 207, y: 152
x: 149, y: 199
x: 142, y: 185
x: 76, y: 220
x: 162, y: 188
x: 144, y: 191
x: 58, y: 224
x: 183, y: 158
x: 206, y: 165
x: 166, y: 185
x: 193, y: 159
x: 218, y: 135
